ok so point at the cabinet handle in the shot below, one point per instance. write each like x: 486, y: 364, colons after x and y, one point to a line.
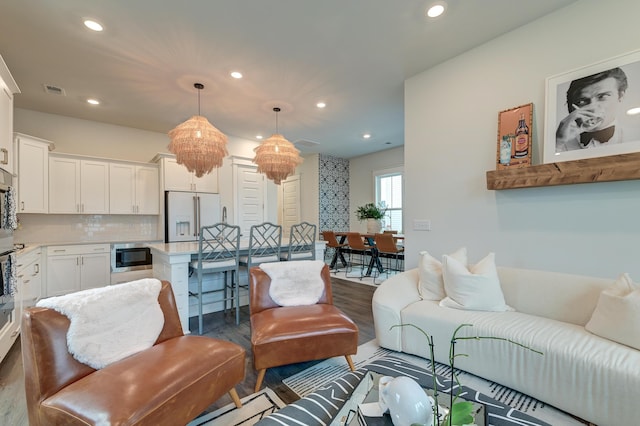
x: 22, y: 205
x: 15, y: 333
x: 78, y: 208
x: 77, y: 261
x: 60, y: 250
x: 5, y: 153
x: 36, y: 268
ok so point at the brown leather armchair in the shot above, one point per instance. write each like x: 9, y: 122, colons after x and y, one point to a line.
x: 282, y: 335
x: 168, y: 384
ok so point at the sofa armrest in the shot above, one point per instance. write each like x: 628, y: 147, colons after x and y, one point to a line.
x: 389, y: 300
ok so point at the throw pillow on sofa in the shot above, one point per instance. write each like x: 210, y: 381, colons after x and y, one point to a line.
x: 430, y: 283
x: 617, y: 314
x: 476, y: 288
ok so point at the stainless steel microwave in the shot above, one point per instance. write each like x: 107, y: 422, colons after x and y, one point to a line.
x: 130, y: 257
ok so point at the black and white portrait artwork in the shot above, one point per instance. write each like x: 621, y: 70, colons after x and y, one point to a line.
x: 594, y: 111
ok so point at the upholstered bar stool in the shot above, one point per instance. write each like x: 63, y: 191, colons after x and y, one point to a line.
x: 338, y: 249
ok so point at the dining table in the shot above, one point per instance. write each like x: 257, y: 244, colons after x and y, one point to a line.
x: 370, y: 238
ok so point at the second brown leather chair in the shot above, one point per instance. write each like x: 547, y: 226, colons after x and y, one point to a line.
x: 282, y: 335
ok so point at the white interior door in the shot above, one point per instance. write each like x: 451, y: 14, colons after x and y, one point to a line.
x: 249, y: 190
x: 290, y: 190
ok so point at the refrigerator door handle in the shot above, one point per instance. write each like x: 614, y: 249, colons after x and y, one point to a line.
x: 195, y: 216
x: 199, y: 215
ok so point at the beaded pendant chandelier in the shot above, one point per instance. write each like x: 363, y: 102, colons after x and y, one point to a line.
x: 197, y: 144
x: 276, y: 157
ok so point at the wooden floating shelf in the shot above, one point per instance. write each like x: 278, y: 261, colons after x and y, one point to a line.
x: 601, y: 169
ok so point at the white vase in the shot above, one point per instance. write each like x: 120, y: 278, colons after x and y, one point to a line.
x: 407, y: 402
x: 373, y: 226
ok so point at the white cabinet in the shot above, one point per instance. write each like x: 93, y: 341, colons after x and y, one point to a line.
x: 178, y: 178
x: 77, y: 267
x: 78, y: 185
x: 133, y: 189
x: 30, y: 277
x: 8, y: 88
x: 33, y: 173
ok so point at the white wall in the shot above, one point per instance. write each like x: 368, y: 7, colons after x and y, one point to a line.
x: 361, y: 184
x: 309, y: 187
x: 451, y: 125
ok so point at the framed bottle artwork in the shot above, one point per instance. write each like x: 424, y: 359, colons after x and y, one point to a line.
x: 515, y: 126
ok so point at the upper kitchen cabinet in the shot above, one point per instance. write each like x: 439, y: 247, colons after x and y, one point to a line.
x: 176, y: 177
x: 32, y: 160
x: 134, y: 189
x: 8, y: 88
x: 78, y: 185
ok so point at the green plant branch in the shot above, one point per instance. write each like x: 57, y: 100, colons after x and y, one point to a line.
x: 433, y: 366
x: 460, y: 411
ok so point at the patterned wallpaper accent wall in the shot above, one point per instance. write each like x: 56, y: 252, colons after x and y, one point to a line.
x: 334, y: 193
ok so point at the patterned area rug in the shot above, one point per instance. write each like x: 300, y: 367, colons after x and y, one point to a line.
x: 504, y: 406
x: 254, y: 408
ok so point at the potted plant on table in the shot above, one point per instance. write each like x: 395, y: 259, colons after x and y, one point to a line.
x: 373, y: 214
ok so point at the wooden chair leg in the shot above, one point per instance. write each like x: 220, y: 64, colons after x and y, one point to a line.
x: 350, y: 362
x: 234, y: 396
x: 260, y: 379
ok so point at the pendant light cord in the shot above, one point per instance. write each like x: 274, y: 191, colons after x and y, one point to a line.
x: 276, y: 110
x: 198, y: 86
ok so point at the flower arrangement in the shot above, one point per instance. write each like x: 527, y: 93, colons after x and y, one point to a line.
x: 460, y: 412
x: 371, y: 211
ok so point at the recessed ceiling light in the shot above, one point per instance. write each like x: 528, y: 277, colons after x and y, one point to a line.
x: 258, y: 137
x: 321, y: 105
x: 93, y: 25
x: 634, y: 111
x: 436, y: 9
x: 366, y: 135
x: 236, y: 74
x: 93, y: 101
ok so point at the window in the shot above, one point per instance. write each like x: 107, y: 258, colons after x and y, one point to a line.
x: 389, y: 185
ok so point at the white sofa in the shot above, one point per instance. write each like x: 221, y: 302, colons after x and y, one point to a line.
x: 591, y: 377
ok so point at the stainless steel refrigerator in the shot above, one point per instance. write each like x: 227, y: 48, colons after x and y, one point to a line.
x: 187, y: 212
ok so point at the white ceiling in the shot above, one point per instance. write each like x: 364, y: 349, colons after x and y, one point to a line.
x: 352, y: 54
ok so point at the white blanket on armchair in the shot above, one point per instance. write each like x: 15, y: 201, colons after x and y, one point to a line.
x: 110, y: 323
x: 295, y: 283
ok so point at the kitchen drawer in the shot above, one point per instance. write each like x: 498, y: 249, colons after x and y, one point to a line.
x: 78, y: 249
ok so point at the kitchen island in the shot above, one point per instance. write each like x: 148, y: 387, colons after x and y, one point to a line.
x: 171, y: 263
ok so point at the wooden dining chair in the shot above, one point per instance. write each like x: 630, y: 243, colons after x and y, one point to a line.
x: 389, y: 251
x: 359, y: 248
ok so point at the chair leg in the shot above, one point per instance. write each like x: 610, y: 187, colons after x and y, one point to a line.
x: 200, y: 325
x: 236, y: 399
x: 260, y: 379
x: 235, y: 278
x: 350, y: 362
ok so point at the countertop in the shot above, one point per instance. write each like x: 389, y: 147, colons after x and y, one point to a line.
x: 29, y: 247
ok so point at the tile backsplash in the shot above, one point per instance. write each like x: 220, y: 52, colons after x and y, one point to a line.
x: 64, y: 228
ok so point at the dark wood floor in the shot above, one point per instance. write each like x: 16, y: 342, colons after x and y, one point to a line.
x: 354, y: 299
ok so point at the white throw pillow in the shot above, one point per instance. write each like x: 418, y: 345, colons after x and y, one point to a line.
x: 476, y: 288
x: 430, y: 283
x: 617, y: 314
